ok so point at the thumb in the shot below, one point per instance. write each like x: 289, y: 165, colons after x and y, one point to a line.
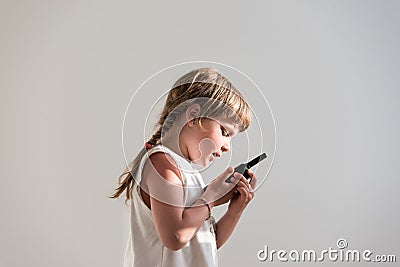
x: 229, y: 170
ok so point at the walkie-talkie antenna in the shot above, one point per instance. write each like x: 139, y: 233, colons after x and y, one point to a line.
x: 256, y: 160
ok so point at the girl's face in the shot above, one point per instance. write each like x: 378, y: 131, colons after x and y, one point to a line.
x: 203, y: 146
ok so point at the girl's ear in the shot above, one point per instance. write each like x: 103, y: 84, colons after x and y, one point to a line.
x: 192, y: 113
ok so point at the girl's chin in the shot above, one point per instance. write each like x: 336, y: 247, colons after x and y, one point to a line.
x: 204, y: 162
x: 200, y: 163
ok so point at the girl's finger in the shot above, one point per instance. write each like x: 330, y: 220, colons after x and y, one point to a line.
x: 253, y: 180
x: 243, y: 193
x: 226, y: 174
x: 241, y: 177
x: 249, y: 192
x: 238, y: 175
x: 250, y: 172
x: 245, y: 183
x: 241, y: 184
x: 245, y: 190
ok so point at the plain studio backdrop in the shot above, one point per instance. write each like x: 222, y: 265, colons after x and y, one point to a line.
x: 329, y: 70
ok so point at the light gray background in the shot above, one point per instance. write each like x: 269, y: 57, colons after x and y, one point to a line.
x: 328, y: 68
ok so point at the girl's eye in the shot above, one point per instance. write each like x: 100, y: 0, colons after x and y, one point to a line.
x: 224, y: 132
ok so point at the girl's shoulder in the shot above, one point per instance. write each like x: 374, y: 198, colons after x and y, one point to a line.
x: 162, y: 164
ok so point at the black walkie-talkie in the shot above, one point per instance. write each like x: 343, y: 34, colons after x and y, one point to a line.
x: 243, y: 168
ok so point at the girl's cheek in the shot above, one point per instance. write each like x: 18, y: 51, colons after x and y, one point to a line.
x: 207, y: 144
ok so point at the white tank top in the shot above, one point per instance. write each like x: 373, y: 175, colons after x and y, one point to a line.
x: 144, y: 248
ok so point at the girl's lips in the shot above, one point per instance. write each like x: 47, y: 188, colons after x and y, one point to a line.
x: 216, y: 154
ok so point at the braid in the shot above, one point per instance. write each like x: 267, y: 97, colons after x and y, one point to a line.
x: 156, y: 137
x: 170, y: 114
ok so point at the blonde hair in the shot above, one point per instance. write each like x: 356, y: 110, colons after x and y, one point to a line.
x: 206, y: 87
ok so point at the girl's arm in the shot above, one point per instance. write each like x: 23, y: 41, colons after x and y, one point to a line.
x: 228, y: 222
x: 175, y: 224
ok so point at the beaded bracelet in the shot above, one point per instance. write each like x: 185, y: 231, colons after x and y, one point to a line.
x: 208, y: 206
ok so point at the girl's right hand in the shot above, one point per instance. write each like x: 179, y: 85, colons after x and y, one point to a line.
x: 219, y: 192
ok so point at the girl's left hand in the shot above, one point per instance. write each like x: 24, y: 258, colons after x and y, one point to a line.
x: 245, y: 193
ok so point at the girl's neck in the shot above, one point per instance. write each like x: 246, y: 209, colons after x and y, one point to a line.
x: 172, y: 141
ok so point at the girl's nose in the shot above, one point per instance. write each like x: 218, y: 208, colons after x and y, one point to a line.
x: 226, y: 147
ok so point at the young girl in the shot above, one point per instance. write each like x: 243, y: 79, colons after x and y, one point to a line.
x: 171, y: 218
